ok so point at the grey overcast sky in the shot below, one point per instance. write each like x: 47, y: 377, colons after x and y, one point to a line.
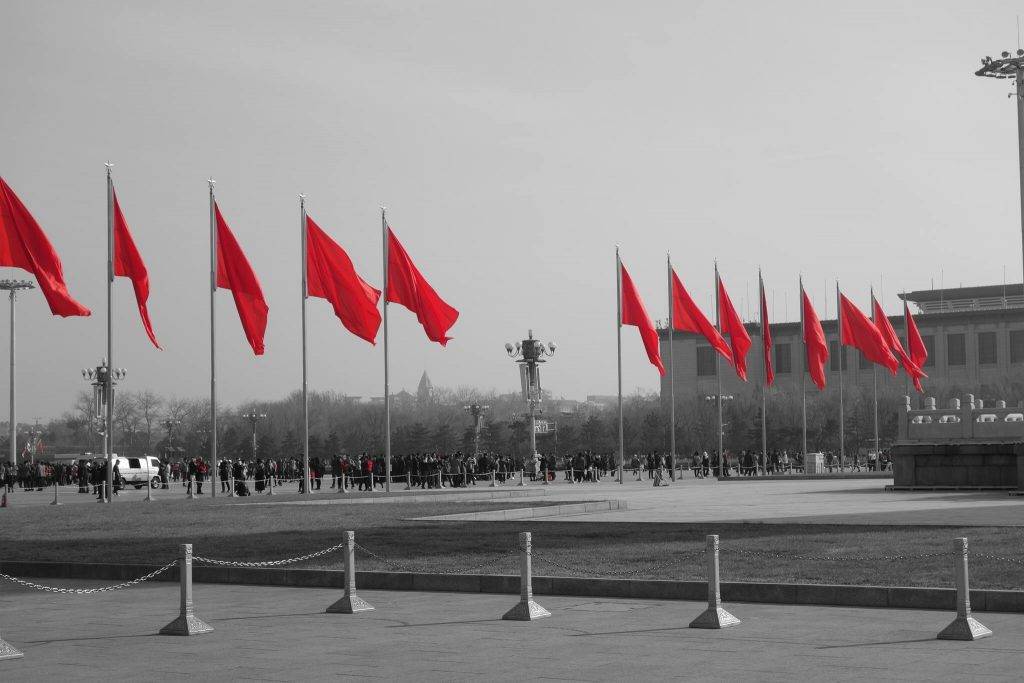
x: 514, y: 143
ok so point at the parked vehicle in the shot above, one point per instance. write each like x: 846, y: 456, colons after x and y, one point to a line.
x: 137, y: 471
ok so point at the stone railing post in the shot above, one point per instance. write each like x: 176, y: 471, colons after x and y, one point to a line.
x: 526, y: 609
x: 350, y: 603
x: 714, y: 616
x: 964, y: 626
x: 187, y: 623
x: 8, y: 651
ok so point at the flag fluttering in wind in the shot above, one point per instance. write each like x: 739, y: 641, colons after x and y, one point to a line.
x: 766, y: 337
x: 916, y: 349
x: 634, y: 313
x: 234, y: 272
x: 884, y: 326
x: 407, y: 286
x: 128, y: 263
x: 687, y: 317
x: 859, y: 332
x: 330, y: 275
x: 814, y: 341
x: 23, y: 244
x: 731, y: 325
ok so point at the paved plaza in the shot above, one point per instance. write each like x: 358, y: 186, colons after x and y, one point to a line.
x: 831, y: 501
x: 265, y: 633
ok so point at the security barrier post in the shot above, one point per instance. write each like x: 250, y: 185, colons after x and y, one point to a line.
x: 408, y: 480
x: 526, y: 609
x: 964, y: 626
x: 350, y: 603
x: 191, y: 487
x: 270, y: 480
x: 714, y: 616
x: 493, y: 484
x: 187, y: 623
x: 8, y: 651
x: 521, y: 475
x: 545, y: 482
x: 55, y: 487
x: 231, y: 482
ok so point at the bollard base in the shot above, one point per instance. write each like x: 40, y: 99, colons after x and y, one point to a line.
x: 189, y: 625
x: 526, y: 610
x: 714, y: 618
x: 350, y: 605
x: 964, y: 628
x: 8, y: 651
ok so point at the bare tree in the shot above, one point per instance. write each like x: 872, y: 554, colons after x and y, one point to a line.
x: 147, y: 406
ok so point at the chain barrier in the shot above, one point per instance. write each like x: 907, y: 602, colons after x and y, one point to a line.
x: 628, y: 572
x: 89, y: 591
x: 268, y: 563
x: 998, y: 558
x: 830, y: 558
x: 504, y: 555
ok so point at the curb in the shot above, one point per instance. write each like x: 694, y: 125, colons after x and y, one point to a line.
x: 805, y: 477
x: 529, y: 513
x: 892, y: 597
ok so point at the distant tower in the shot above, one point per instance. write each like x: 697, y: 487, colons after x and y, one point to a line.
x: 425, y: 391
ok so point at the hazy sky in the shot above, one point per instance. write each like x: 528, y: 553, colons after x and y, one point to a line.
x: 514, y: 144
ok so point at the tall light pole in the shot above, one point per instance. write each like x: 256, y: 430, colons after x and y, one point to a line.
x: 253, y: 417
x: 718, y: 399
x: 529, y: 353
x: 13, y: 286
x: 1011, y: 67
x: 103, y: 380
x: 477, y: 411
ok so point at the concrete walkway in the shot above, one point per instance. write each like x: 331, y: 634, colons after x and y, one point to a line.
x: 265, y: 633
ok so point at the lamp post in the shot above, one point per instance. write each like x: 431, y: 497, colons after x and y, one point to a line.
x: 721, y: 434
x: 477, y: 411
x: 103, y: 380
x: 13, y: 286
x: 1011, y: 67
x: 253, y: 417
x: 529, y: 354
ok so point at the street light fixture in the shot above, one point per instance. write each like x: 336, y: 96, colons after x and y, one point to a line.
x: 721, y: 434
x: 103, y: 380
x: 477, y: 411
x: 13, y: 286
x: 253, y: 417
x: 529, y: 354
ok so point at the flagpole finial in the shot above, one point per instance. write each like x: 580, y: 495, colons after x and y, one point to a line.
x: 108, y: 166
x: 211, y: 182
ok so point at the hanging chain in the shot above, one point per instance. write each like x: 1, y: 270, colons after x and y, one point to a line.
x: 268, y: 563
x: 830, y: 558
x: 90, y: 591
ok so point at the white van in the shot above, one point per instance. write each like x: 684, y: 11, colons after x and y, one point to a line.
x: 137, y: 471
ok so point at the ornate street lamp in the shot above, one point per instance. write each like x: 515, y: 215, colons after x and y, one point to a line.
x: 253, y: 417
x: 13, y: 286
x: 529, y: 354
x: 477, y: 411
x: 103, y: 380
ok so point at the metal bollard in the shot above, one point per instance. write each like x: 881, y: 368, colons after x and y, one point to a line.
x: 493, y: 483
x: 521, y: 482
x: 545, y: 482
x: 350, y: 603
x: 408, y: 481
x: 371, y: 481
x: 714, y: 616
x: 964, y: 626
x: 526, y: 609
x: 343, y: 483
x: 192, y: 487
x: 8, y: 651
x: 270, y: 481
x: 231, y: 485
x: 55, y: 487
x: 187, y: 623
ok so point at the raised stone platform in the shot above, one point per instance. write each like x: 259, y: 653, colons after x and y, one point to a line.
x: 958, y: 466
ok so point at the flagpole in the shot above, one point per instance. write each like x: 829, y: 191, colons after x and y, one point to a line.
x: 803, y: 376
x: 842, y: 357
x: 718, y: 373
x: 387, y: 385
x: 618, y: 346
x: 671, y: 377
x: 213, y: 341
x: 874, y: 377
x: 306, y: 488
x: 764, y: 375
x: 906, y: 337
x: 108, y: 419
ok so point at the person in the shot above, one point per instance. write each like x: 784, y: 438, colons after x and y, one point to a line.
x: 225, y: 485
x: 202, y: 469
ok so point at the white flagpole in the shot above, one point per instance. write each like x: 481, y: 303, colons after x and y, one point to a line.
x: 387, y: 385
x: 213, y: 341
x: 618, y: 331
x: 671, y: 376
x: 765, y: 359
x: 842, y: 357
x: 306, y: 488
x: 874, y: 376
x: 803, y: 375
x: 718, y: 374
x: 108, y: 420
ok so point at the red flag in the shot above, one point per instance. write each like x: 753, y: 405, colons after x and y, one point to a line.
x: 814, y: 342
x: 731, y: 325
x: 634, y: 313
x: 687, y: 317
x: 408, y: 287
x: 860, y: 332
x: 918, y: 352
x: 235, y: 273
x: 330, y: 275
x: 881, y: 321
x: 23, y: 244
x: 766, y: 338
x: 128, y: 263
